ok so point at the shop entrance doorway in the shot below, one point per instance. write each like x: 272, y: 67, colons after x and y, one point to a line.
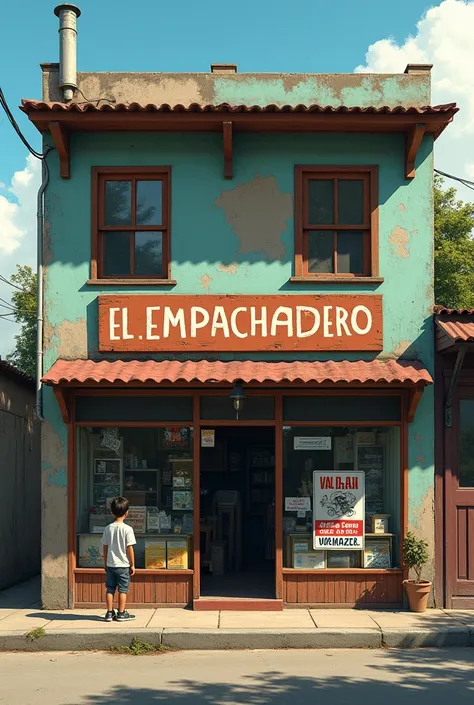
x: 237, y: 513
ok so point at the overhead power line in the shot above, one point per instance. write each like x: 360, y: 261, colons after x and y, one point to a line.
x: 464, y: 182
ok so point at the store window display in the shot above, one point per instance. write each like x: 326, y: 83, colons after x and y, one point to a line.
x: 153, y: 469
x: 375, y: 452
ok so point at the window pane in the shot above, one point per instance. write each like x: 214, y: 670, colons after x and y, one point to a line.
x: 320, y: 202
x: 153, y: 469
x: 116, y: 254
x: 350, y: 252
x: 118, y: 203
x: 320, y: 251
x: 374, y: 451
x: 466, y: 445
x: 149, y: 253
x: 350, y: 202
x: 149, y: 203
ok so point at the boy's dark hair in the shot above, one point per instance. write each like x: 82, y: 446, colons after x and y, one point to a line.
x: 119, y: 506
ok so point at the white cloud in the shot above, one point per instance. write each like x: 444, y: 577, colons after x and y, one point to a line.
x: 17, y: 236
x: 444, y: 38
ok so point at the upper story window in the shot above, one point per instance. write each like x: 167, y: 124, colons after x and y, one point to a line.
x: 131, y: 224
x: 336, y: 223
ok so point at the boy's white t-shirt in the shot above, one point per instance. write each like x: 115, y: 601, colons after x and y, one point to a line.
x: 117, y: 537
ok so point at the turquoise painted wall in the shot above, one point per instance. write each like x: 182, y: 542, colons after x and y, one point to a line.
x: 203, y: 242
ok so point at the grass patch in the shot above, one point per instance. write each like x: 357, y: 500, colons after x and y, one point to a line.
x: 140, y: 648
x: 36, y: 634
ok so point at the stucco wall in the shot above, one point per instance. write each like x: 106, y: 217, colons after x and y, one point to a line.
x: 20, y: 527
x: 237, y: 236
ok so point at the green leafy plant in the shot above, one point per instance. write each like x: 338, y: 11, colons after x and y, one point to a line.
x: 140, y: 648
x: 36, y: 634
x: 415, y: 554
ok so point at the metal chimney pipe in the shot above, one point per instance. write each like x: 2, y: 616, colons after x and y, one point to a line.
x: 68, y: 15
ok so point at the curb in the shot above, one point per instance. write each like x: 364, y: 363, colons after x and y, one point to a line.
x: 79, y: 640
x: 428, y: 638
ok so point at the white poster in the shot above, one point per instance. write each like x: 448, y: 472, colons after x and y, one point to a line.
x: 207, y: 439
x: 297, y: 504
x: 312, y: 443
x: 338, y: 510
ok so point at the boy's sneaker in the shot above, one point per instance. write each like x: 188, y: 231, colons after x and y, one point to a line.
x: 110, y: 616
x: 124, y: 617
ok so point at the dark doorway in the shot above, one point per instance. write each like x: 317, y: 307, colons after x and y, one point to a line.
x: 238, y: 513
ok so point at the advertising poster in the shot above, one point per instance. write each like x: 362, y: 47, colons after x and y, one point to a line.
x: 339, y: 510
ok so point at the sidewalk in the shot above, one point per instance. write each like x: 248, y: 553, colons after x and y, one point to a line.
x: 24, y: 626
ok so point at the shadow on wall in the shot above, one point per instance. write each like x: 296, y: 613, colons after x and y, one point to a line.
x: 406, y: 677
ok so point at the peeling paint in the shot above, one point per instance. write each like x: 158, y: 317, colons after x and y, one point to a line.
x: 399, y: 238
x: 229, y: 268
x: 205, y: 281
x: 243, y: 207
x: 422, y: 525
x: 70, y: 338
x: 401, y: 348
x: 402, y: 207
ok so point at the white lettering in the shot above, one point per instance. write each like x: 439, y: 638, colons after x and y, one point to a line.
x: 299, y: 321
x: 354, y: 323
x: 341, y: 318
x: 125, y: 332
x: 170, y: 320
x: 219, y: 321
x: 195, y: 324
x: 233, y: 322
x: 150, y: 326
x: 327, y: 323
x: 112, y: 324
x: 287, y: 320
x: 254, y: 322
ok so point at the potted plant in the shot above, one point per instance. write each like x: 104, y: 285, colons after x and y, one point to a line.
x: 415, y: 556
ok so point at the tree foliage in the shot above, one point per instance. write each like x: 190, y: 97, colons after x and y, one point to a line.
x: 24, y: 301
x: 454, y: 248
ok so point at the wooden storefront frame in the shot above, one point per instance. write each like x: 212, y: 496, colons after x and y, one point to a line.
x: 278, y: 392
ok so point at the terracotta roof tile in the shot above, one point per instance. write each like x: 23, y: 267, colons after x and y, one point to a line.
x: 442, y: 310
x: 88, y: 371
x: 458, y: 331
x: 37, y: 105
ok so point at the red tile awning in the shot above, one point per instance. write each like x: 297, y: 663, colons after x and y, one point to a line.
x: 453, y: 328
x: 88, y: 372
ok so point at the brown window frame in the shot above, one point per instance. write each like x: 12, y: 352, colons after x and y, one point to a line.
x: 369, y: 175
x: 129, y: 173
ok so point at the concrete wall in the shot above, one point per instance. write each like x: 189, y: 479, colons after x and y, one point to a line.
x: 363, y: 89
x: 20, y: 516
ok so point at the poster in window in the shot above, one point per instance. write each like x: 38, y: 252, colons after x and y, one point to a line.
x: 338, y: 510
x: 182, y: 500
x: 377, y: 554
x: 175, y: 437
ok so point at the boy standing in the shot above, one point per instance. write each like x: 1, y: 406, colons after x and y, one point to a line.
x: 119, y: 560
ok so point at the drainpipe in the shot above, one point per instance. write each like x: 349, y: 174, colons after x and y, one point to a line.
x: 39, y: 283
x: 68, y: 15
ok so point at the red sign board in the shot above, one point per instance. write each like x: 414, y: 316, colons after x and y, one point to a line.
x: 168, y: 323
x: 339, y: 509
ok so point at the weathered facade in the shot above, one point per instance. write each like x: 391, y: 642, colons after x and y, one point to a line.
x: 231, y: 231
x: 20, y: 478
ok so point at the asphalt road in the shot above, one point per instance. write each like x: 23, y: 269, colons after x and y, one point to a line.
x: 339, y: 677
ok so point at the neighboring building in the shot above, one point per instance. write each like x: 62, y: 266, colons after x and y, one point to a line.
x: 217, y: 235
x: 455, y: 457
x: 20, y: 478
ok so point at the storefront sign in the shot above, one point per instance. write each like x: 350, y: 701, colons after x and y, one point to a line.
x: 297, y: 504
x: 339, y: 510
x: 207, y: 438
x: 312, y: 443
x: 168, y: 323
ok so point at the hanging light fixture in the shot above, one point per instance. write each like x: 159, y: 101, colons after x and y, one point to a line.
x: 237, y: 395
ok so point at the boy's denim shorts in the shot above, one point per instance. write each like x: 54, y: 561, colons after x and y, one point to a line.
x: 117, y: 578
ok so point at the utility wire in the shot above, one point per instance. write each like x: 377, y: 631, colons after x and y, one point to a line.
x: 7, y: 281
x: 464, y: 182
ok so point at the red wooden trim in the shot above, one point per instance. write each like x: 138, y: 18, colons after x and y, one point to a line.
x: 374, y: 220
x: 279, y: 496
x: 71, y: 508
x: 62, y: 397
x: 94, y: 223
x: 413, y: 140
x: 197, y: 497
x: 439, y: 593
x: 227, y: 136
x: 344, y: 571
x: 139, y: 571
x: 60, y: 136
x: 404, y: 476
x: 242, y: 605
x: 135, y: 605
x: 415, y: 397
x: 299, y: 206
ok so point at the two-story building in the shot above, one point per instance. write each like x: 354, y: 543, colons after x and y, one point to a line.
x: 238, y: 292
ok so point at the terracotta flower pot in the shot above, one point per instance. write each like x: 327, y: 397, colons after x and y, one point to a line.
x: 418, y: 594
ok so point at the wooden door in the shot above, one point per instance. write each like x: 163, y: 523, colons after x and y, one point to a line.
x: 459, y: 498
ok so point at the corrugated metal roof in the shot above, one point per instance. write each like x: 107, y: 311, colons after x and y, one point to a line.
x: 203, y: 371
x: 37, y: 105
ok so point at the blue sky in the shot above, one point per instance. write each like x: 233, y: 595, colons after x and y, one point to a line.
x: 258, y: 35
x: 149, y: 35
